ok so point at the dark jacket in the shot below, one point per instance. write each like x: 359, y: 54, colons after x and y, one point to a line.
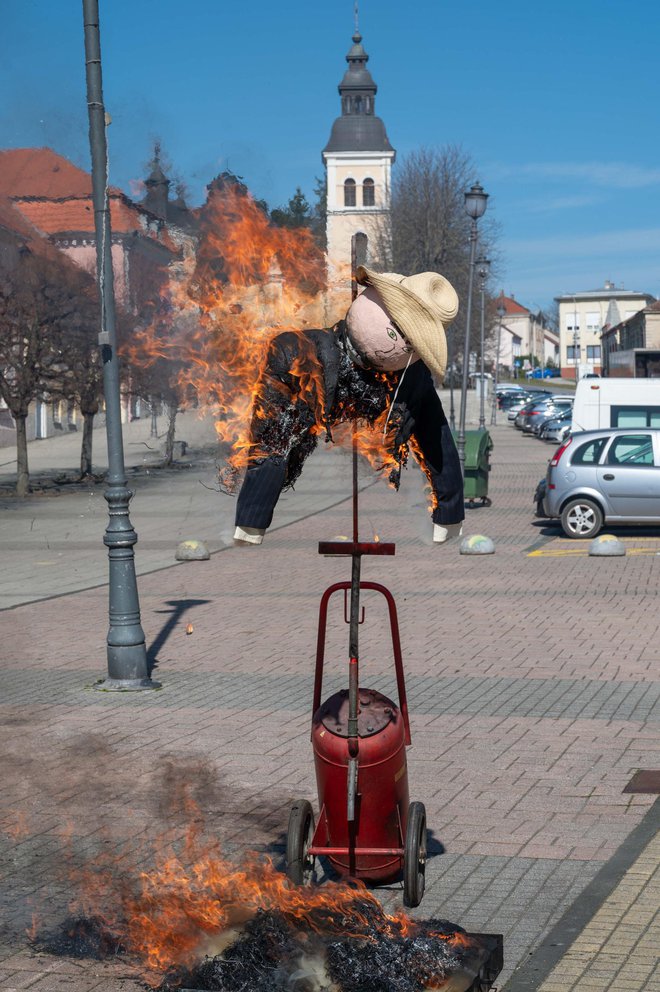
x: 309, y: 384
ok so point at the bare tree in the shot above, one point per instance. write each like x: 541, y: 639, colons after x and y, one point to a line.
x: 45, y: 302
x: 429, y: 226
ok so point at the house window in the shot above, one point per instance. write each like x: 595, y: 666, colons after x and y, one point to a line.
x: 593, y: 321
x: 349, y: 193
x: 570, y: 352
x: 368, y: 193
x: 593, y: 352
x: 572, y: 322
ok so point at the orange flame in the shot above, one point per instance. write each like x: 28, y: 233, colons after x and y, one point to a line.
x: 250, y: 282
x: 185, y: 907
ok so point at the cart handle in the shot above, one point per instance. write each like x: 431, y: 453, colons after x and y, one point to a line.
x: 396, y: 647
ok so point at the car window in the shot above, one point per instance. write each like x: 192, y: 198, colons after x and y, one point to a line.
x: 631, y: 449
x: 589, y: 453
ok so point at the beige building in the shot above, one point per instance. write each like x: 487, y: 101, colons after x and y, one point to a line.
x: 632, y: 348
x: 358, y: 160
x: 582, y: 319
x: 524, y: 334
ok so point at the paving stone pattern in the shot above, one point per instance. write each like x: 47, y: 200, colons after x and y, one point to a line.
x: 533, y: 686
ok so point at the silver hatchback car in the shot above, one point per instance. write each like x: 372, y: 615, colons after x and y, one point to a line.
x: 602, y: 476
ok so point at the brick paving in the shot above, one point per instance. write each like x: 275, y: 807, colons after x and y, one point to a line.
x: 533, y: 686
x: 619, y: 947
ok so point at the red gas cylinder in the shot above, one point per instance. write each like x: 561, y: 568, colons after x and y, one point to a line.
x: 381, y: 807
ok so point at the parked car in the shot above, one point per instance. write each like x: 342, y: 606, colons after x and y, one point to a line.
x: 539, y: 496
x: 518, y: 402
x: 605, y: 476
x: 557, y: 427
x: 534, y: 422
x: 543, y: 374
x: 538, y: 409
x: 507, y: 395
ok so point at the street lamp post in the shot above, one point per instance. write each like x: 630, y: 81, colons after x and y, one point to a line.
x: 483, y: 268
x: 452, y: 413
x: 126, y: 650
x: 475, y: 205
x: 500, y: 313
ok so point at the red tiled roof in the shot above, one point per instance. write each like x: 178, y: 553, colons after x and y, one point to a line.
x: 41, y: 172
x: 511, y: 306
x: 77, y: 214
x: 55, y: 196
x: 11, y: 219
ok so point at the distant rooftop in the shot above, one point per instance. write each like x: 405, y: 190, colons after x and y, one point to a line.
x: 608, y: 291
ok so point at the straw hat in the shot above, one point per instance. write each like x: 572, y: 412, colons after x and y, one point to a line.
x: 420, y: 306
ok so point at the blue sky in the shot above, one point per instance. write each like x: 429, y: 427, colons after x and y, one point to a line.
x: 556, y: 103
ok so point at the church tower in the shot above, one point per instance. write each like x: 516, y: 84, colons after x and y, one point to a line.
x: 358, y: 160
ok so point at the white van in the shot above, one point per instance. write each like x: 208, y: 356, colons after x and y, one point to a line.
x: 616, y: 403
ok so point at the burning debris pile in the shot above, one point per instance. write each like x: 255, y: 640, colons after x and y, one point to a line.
x: 196, y: 920
x: 363, y: 953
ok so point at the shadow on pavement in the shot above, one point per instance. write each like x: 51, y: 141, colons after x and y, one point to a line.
x: 179, y: 608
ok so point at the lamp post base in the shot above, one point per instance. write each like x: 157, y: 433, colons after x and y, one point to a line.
x: 126, y: 685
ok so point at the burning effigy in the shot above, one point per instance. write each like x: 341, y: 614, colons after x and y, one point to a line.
x: 252, y: 333
x: 376, y: 366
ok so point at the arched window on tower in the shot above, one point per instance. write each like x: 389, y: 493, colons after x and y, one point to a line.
x: 358, y: 104
x: 349, y: 193
x: 368, y: 193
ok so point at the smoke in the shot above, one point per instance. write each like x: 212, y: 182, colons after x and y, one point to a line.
x: 122, y: 806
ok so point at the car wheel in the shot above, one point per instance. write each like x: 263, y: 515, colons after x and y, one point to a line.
x: 581, y: 518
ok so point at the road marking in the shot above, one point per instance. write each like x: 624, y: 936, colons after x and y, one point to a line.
x: 556, y: 548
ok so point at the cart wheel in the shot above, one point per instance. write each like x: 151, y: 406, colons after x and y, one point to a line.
x: 299, y: 866
x: 414, y: 858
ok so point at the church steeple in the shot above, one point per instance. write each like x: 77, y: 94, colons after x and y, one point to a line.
x: 158, y: 186
x: 358, y: 128
x: 357, y: 89
x: 358, y: 160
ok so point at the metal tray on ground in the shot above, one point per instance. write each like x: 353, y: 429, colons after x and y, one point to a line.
x: 482, y: 966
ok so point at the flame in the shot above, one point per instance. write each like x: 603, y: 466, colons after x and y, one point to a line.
x: 208, y: 336
x: 191, y: 903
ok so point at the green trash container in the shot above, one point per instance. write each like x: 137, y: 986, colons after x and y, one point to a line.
x: 478, y: 446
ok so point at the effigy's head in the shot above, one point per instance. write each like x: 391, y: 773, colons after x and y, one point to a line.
x: 399, y: 319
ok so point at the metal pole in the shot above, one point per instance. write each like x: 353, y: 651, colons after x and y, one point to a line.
x: 126, y: 649
x: 466, y: 349
x: 493, y: 415
x: 482, y: 398
x: 452, y: 414
x: 154, y: 418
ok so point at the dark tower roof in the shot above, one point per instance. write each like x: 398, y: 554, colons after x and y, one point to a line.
x: 358, y: 129
x: 157, y: 185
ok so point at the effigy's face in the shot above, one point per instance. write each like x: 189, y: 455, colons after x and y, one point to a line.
x: 375, y: 336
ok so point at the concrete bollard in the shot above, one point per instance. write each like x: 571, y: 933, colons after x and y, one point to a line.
x: 477, y: 544
x: 192, y: 551
x: 606, y: 545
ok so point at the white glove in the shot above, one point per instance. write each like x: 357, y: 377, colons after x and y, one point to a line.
x: 442, y: 533
x: 248, y: 535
